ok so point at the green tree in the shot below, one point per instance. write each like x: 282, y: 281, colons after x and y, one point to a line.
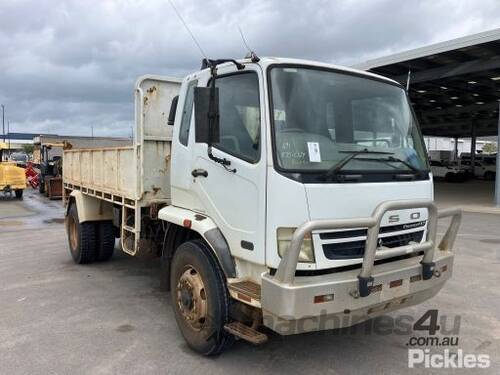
x: 490, y: 148
x: 28, y: 149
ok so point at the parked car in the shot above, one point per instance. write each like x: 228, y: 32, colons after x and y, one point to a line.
x: 20, y: 158
x: 486, y: 159
x: 448, y: 172
x: 481, y: 170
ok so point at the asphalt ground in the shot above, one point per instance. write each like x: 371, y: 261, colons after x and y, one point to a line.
x: 111, y: 318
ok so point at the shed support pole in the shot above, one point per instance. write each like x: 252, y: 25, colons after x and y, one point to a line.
x: 497, y: 179
x: 455, y: 154
x: 473, y: 148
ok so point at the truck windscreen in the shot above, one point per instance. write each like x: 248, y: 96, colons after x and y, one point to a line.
x: 320, y: 117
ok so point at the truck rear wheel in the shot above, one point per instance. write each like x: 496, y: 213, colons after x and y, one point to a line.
x: 19, y: 194
x: 199, y: 298
x: 81, y: 238
x: 105, y: 240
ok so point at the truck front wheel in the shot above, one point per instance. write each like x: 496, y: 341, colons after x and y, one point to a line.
x: 19, y: 194
x: 199, y: 298
x: 81, y: 238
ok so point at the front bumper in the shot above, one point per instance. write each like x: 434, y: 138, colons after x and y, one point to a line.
x: 289, y: 303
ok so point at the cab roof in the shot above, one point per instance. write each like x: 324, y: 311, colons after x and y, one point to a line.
x: 267, y: 61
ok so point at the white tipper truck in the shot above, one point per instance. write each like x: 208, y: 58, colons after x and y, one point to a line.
x: 280, y: 193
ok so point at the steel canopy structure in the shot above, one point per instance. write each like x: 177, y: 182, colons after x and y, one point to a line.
x: 454, y: 87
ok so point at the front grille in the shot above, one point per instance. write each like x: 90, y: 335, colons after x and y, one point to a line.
x: 356, y: 249
x: 363, y: 232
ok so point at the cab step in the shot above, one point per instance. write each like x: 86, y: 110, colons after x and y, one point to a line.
x: 245, y: 291
x: 246, y: 333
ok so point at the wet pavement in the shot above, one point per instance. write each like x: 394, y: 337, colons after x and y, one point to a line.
x: 111, y: 318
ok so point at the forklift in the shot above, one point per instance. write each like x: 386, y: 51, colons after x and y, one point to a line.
x: 50, y: 180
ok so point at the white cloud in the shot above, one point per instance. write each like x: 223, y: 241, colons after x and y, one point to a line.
x: 67, y: 65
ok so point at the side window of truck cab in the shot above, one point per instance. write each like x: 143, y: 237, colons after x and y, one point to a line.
x: 187, y: 111
x: 239, y: 110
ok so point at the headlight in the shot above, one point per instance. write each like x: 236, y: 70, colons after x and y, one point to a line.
x: 284, y: 236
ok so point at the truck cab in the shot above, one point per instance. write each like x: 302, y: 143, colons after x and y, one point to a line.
x: 285, y: 126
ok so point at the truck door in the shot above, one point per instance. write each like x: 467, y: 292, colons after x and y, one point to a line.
x: 234, y: 196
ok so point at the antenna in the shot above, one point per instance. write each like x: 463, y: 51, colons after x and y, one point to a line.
x: 244, y: 40
x: 188, y: 29
x: 251, y: 54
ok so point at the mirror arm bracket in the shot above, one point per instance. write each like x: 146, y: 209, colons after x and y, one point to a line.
x: 223, y: 161
x: 212, y: 114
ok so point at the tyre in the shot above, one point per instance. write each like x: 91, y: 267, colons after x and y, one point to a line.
x: 81, y: 238
x: 105, y: 240
x: 19, y: 194
x: 490, y: 176
x: 199, y: 298
x: 41, y: 185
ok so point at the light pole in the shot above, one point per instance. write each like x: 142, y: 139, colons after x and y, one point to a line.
x: 8, y: 132
x: 3, y: 122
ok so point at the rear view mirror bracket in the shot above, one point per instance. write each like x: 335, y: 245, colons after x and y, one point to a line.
x: 207, y: 118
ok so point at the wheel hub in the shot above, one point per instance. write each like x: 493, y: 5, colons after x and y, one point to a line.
x: 187, y: 299
x: 191, y: 298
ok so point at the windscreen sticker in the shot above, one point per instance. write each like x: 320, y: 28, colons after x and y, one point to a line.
x: 279, y: 115
x: 314, y: 153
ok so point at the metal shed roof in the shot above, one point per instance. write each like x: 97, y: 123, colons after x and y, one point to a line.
x: 454, y: 85
x: 21, y: 136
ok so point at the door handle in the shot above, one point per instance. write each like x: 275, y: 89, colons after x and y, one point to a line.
x: 199, y: 172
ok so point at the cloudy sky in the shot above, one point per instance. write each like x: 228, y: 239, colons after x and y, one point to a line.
x: 67, y: 65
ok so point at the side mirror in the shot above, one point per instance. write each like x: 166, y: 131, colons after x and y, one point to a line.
x: 206, y: 115
x: 173, y: 109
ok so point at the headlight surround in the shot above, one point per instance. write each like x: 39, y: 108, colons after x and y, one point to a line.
x: 284, y: 236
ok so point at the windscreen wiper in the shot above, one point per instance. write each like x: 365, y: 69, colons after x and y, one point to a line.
x: 392, y: 159
x: 333, y: 171
x: 400, y: 175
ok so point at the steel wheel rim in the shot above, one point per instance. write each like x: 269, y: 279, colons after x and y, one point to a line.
x: 192, y: 298
x: 73, y: 232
